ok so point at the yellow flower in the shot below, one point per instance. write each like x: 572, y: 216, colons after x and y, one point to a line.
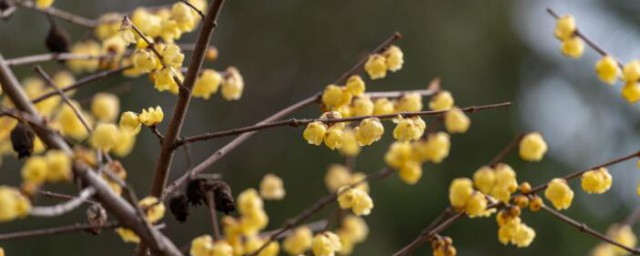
x: 254, y: 221
x: 573, y: 47
x: 145, y: 60
x: 456, y: 121
x: 12, y: 204
x: 363, y: 204
x: 355, y: 228
x: 64, y: 79
x: 232, y: 85
x: 205, y: 246
x: 523, y: 236
x: 394, y: 58
x: 435, y: 148
x: 271, y: 187
x: 409, y: 129
x: 346, y: 242
x: 460, y: 191
x: 184, y: 16
x: 476, y: 204
x: 334, y: 137
x: 105, y: 106
x: 336, y: 177
x: 565, y: 27
x: 153, y: 208
x: 44, y: 4
x: 315, y: 132
x: 207, y: 84
x: 409, y: 102
x: 249, y: 201
x: 347, y: 197
x: 298, y: 241
x: 399, y: 154
x: 105, y: 136
x: 532, y: 147
x: 362, y: 106
x: 383, y: 106
x: 334, y: 97
x: 559, y: 193
x: 631, y: 92
x: 596, y: 181
x: 410, y: 172
x: 164, y: 80
x: 128, y: 235
x: 350, y: 146
x: 369, y: 131
x: 484, y: 179
x: 130, y: 122
x: 59, y: 166
x: 355, y: 85
x: 255, y: 242
x: 114, y: 45
x: 85, y: 48
x: 376, y: 66
x: 125, y: 144
x: 631, y: 71
x: 151, y: 116
x: 172, y: 56
x: 505, y: 184
x: 35, y: 170
x: 624, y: 235
x: 607, y: 69
x: 443, y: 100
x: 326, y: 244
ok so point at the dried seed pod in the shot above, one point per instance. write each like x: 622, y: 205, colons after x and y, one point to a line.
x: 96, y: 216
x: 22, y: 138
x: 4, y: 5
x: 223, y: 198
x: 57, y: 40
x: 179, y: 206
x: 194, y: 193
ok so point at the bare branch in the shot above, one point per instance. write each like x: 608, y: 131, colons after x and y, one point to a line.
x: 69, y: 17
x: 56, y: 230
x: 60, y: 209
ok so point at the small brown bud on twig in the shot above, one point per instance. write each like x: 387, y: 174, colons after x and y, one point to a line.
x: 96, y: 216
x: 179, y: 206
x: 57, y: 40
x: 22, y: 138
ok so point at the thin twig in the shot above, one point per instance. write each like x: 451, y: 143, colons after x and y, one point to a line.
x: 585, y: 229
x: 64, y: 97
x: 193, y: 7
x: 298, y: 122
x: 82, y: 82
x: 213, y: 215
x: 506, y: 150
x: 180, y: 110
x: 56, y: 230
x: 62, y: 196
x: 60, y: 209
x: 69, y: 17
x: 157, y: 133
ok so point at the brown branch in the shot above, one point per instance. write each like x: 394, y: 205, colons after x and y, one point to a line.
x: 245, y: 136
x: 506, y: 150
x: 62, y: 196
x: 585, y: 229
x: 584, y: 38
x: 213, y: 215
x: 157, y: 133
x: 53, y: 57
x: 428, y: 234
x: 298, y: 122
x: 382, y: 47
x: 81, y: 82
x: 193, y: 7
x: 64, y: 97
x: 69, y: 17
x: 124, y: 212
x: 56, y: 230
x: 60, y: 209
x: 180, y: 110
x: 317, y: 206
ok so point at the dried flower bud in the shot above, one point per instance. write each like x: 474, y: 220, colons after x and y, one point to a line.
x: 223, y: 198
x: 22, y: 138
x: 96, y: 216
x: 179, y: 206
x: 57, y: 40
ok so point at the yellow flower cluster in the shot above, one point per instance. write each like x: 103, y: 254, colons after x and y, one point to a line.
x: 499, y: 182
x: 338, y: 176
x: 205, y: 246
x: 407, y: 157
x: 631, y: 76
x: 441, y: 101
x: 391, y: 59
x: 154, y: 211
x: 353, y: 230
x: 298, y: 241
x: 326, y: 244
x: 241, y: 233
x: 512, y: 230
x: 271, y: 187
x: 596, y: 181
x: 532, y: 147
x: 55, y: 166
x: 232, y: 85
x: 463, y: 197
x: 456, y: 121
x: 409, y: 129
x: 331, y: 134
x: 559, y: 193
x: 13, y: 204
x: 443, y: 246
x: 105, y: 107
x: 355, y: 199
x: 572, y: 45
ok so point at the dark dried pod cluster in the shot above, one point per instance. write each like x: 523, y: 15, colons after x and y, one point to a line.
x: 57, y: 40
x: 197, y: 193
x: 22, y: 138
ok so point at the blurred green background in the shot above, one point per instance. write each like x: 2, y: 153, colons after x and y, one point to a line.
x: 484, y: 52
